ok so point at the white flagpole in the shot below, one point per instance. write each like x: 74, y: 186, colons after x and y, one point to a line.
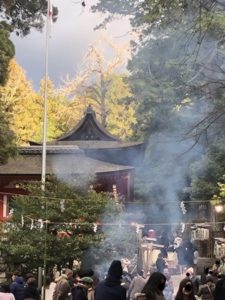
x: 43, y: 170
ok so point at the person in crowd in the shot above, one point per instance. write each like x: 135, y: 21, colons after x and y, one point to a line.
x: 188, y: 249
x: 17, y: 286
x: 126, y: 280
x: 169, y: 288
x: 206, y: 290
x: 27, y: 276
x: 219, y: 292
x: 136, y: 285
x: 91, y: 290
x: 6, y: 296
x: 49, y: 286
x: 110, y: 288
x: 216, y: 267
x: 63, y: 288
x: 83, y: 288
x: 31, y: 290
x: 165, y: 241
x: 161, y: 263
x: 153, y: 289
x: 185, y: 290
x: 221, y: 269
x: 5, y: 293
x: 190, y: 274
x: 195, y: 259
x: 85, y: 273
x: 179, y: 249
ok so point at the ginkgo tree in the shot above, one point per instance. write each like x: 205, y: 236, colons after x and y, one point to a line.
x: 20, y: 105
x: 103, y: 83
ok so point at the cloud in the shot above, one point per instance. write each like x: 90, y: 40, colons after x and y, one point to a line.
x: 71, y: 35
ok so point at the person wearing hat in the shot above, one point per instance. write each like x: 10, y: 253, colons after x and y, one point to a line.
x: 63, y: 288
x: 110, y: 288
x: 82, y: 289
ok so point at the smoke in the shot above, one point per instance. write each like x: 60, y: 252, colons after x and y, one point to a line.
x: 120, y: 242
x: 74, y: 169
x: 171, y: 73
x: 163, y: 178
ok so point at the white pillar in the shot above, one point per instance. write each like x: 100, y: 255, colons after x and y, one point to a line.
x: 5, y: 206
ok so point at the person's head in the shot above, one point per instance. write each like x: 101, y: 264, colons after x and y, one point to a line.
x: 31, y: 281
x: 155, y: 284
x: 86, y: 273
x: 115, y: 270
x: 209, y: 280
x: 87, y: 282
x: 69, y: 273
x: 15, y: 274
x: 28, y: 275
x: 185, y: 288
x: 217, y: 262
x: 190, y: 271
x: 48, y: 280
x: 140, y: 273
x: 4, y: 287
x: 76, y: 277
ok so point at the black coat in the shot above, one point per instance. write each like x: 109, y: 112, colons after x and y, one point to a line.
x: 31, y: 292
x: 110, y: 289
x: 79, y: 293
x: 219, y: 292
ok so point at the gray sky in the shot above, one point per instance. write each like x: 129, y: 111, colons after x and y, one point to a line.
x: 71, y: 35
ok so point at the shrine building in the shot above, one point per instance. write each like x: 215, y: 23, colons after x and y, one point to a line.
x: 88, y: 150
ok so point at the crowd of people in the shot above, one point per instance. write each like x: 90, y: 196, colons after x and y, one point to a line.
x: 120, y: 285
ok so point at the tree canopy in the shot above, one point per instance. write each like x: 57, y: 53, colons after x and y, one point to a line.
x: 60, y: 224
x: 176, y: 75
x: 178, y: 55
x: 19, y: 17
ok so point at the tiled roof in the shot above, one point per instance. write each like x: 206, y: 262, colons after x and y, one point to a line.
x: 96, y: 144
x: 50, y: 149
x: 59, y: 163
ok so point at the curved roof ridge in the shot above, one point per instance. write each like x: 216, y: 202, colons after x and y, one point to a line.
x: 88, y: 129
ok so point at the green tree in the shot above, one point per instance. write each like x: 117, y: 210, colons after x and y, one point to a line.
x: 207, y: 172
x: 19, y: 17
x: 177, y: 70
x: 24, y: 15
x: 7, y: 52
x: 179, y: 55
x: 7, y: 140
x: 63, y: 219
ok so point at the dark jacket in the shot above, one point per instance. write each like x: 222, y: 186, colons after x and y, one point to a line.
x: 31, y: 292
x: 219, y: 292
x: 17, y: 288
x: 206, y: 291
x: 110, y: 289
x: 79, y: 292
